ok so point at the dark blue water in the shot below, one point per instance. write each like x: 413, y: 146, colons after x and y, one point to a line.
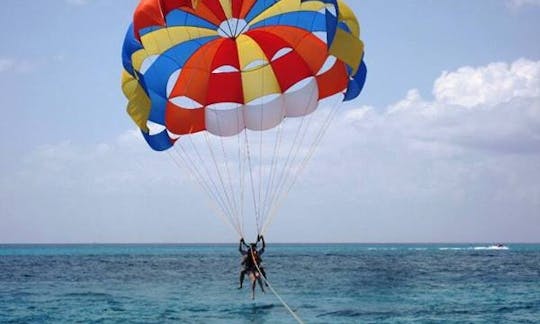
x: 324, y: 283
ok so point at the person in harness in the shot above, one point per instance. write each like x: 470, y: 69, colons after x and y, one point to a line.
x: 251, y: 262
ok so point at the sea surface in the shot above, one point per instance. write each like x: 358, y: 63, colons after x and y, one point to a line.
x: 341, y: 283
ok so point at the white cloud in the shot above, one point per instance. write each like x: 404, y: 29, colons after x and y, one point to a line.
x: 116, y: 167
x: 494, y: 107
x: 490, y: 85
x: 453, y: 168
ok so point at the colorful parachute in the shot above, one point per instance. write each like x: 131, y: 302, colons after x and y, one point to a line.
x: 229, y: 67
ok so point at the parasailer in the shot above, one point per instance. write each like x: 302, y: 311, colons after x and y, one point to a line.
x: 251, y: 263
x: 241, y: 92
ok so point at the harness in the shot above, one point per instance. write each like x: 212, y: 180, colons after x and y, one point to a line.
x: 248, y: 260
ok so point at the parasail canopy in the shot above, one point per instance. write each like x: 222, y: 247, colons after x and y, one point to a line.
x: 231, y: 72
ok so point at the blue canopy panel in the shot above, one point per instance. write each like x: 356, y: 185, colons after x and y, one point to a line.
x: 182, y: 18
x: 349, y: 69
x: 308, y: 20
x: 331, y: 27
x: 258, y: 8
x: 331, y: 20
x: 158, y: 142
x: 157, y: 108
x: 147, y: 30
x: 342, y: 25
x: 130, y: 46
x: 356, y: 84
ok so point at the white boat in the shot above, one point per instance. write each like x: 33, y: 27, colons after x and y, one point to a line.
x: 498, y: 246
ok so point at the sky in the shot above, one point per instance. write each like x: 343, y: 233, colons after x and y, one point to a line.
x: 443, y: 145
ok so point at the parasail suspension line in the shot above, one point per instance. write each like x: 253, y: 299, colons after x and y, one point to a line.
x: 318, y: 138
x: 293, y: 158
x: 273, y: 168
x: 251, y: 178
x: 229, y: 178
x: 219, y: 199
x: 220, y: 176
x: 214, y: 202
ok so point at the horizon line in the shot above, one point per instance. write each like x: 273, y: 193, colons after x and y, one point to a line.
x: 234, y: 243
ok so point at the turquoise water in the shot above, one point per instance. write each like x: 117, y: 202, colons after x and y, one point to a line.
x: 350, y: 283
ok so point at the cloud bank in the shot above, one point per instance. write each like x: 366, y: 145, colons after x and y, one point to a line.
x: 462, y: 166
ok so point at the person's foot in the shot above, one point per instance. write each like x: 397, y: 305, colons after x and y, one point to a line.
x: 240, y: 287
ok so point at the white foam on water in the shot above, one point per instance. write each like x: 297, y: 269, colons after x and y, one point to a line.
x: 491, y: 247
x: 478, y: 248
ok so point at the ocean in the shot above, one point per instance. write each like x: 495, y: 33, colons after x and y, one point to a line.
x: 322, y: 283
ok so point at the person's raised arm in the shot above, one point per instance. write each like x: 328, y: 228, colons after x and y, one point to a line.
x: 240, y: 245
x: 261, y: 238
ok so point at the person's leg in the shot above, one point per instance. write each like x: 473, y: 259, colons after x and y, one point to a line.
x: 259, y: 279
x: 253, y: 284
x: 242, y: 275
x: 264, y: 275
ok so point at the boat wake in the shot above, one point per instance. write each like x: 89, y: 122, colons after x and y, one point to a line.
x: 477, y: 248
x: 492, y: 247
